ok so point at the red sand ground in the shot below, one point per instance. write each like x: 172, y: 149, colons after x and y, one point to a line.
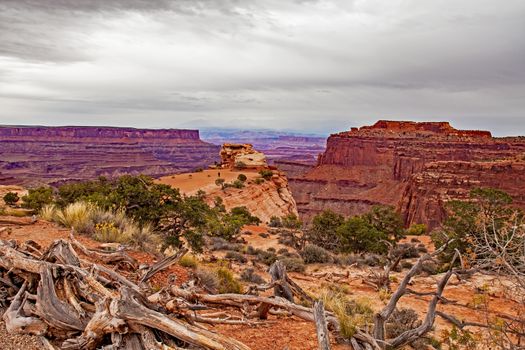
x: 190, y: 183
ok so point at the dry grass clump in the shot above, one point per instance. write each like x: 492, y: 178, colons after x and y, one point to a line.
x: 220, y: 280
x: 189, y: 261
x: 48, y: 212
x: 78, y: 216
x: 352, y: 314
x: 315, y: 254
x: 103, y: 226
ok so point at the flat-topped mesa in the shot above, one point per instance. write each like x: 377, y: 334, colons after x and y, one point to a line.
x: 406, y: 128
x: 97, y: 134
x: 393, y: 163
x: 236, y: 155
x: 34, y: 155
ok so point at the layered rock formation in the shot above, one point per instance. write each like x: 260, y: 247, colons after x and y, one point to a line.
x: 276, y: 145
x: 233, y: 155
x: 37, y: 155
x: 416, y: 167
x: 270, y: 198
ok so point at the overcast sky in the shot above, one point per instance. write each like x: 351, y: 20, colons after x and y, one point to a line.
x: 314, y: 66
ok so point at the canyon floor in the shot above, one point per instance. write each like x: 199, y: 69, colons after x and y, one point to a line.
x: 285, y: 332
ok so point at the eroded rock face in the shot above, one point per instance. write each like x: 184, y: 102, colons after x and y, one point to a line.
x: 271, y: 198
x: 38, y: 155
x: 416, y: 167
x: 233, y: 154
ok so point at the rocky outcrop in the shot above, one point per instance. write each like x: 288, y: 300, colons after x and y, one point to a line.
x: 270, y: 198
x: 233, y: 154
x: 416, y: 167
x: 38, y: 155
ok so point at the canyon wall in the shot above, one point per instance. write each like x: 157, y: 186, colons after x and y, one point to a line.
x: 416, y: 167
x: 47, y: 155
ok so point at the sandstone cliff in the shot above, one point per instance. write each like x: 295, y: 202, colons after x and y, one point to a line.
x: 37, y: 155
x: 415, y: 167
x: 270, y: 198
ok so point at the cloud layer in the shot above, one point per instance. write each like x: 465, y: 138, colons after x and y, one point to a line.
x: 315, y: 66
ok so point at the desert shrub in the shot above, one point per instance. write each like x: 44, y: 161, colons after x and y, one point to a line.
x: 347, y: 259
x: 144, y: 238
x: 275, y: 221
x: 403, y: 320
x: 236, y: 256
x: 220, y: 182
x: 251, y: 250
x: 271, y: 249
x: 109, y: 232
x: 198, y: 170
x: 227, y: 282
x: 264, y: 235
x: 406, y: 264
x: 36, y: 198
x: 361, y: 233
x: 430, y: 267
x: 283, y: 251
x: 189, y: 261
x: 240, y: 165
x: 417, y: 230
x: 293, y: 264
x: 258, y: 181
x: 11, y: 198
x: 414, y: 240
x: 265, y: 257
x: 464, y: 218
x: 315, y: 254
x: 323, y: 230
x: 266, y: 174
x: 237, y: 184
x: 291, y: 221
x: 457, y: 339
x: 421, y: 248
x: 406, y: 250
x: 218, y: 243
x: 372, y: 260
x: 249, y: 275
x: 207, y: 279
x: 78, y: 216
x: 242, y: 177
x: 48, y: 212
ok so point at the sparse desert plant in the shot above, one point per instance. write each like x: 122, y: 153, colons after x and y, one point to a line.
x: 109, y: 232
x: 237, y: 184
x: 258, y: 181
x: 48, y: 212
x: 249, y: 275
x: 207, y: 279
x: 227, y: 282
x: 351, y: 314
x: 36, y: 198
x: 189, y: 261
x: 265, y: 257
x: 293, y: 264
x: 145, y: 239
x: 266, y: 174
x: 11, y: 198
x: 275, y: 221
x: 315, y: 254
x: 242, y: 177
x: 236, y: 256
x: 78, y: 216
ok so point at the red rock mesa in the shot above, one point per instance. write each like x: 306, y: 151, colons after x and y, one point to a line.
x: 416, y: 167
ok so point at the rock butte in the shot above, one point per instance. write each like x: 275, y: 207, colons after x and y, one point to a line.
x: 416, y: 167
x: 36, y: 155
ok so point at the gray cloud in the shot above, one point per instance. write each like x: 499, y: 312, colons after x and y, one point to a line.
x: 309, y: 65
